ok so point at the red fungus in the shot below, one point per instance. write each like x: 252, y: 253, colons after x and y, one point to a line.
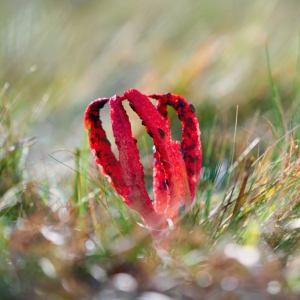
x: 176, y: 165
x: 190, y: 145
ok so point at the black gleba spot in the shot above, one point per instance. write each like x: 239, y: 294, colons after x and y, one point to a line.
x: 192, y: 107
x: 181, y: 103
x: 101, y: 104
x: 149, y: 132
x: 162, y: 134
x: 132, y: 107
x: 93, y: 117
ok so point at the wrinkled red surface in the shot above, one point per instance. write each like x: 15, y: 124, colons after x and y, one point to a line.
x: 190, y: 145
x: 160, y: 183
x: 176, y: 165
x: 133, y: 172
x: 169, y: 151
x: 101, y: 149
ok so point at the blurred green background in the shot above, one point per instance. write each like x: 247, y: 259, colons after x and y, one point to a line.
x: 58, y: 56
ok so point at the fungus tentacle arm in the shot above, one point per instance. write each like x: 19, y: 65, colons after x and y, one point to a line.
x: 169, y: 151
x: 160, y: 183
x: 190, y: 145
x: 101, y: 148
x: 130, y: 163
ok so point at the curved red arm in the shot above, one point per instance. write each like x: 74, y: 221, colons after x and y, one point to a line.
x: 160, y: 183
x: 133, y: 171
x: 101, y: 148
x: 169, y: 151
x: 190, y: 145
